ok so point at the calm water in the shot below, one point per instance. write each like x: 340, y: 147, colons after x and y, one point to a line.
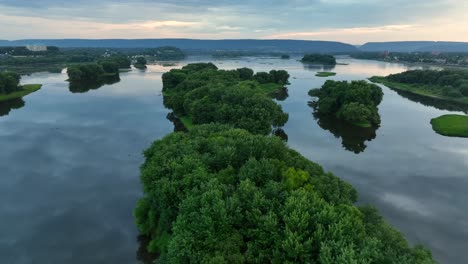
x: 69, y: 163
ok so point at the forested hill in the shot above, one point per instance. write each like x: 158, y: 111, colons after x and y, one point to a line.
x: 414, y: 46
x: 196, y: 44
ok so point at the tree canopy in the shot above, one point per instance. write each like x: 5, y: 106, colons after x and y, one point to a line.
x: 354, y: 102
x: 239, y: 97
x: 221, y: 195
x: 9, y: 82
x: 450, y: 83
x: 319, y: 59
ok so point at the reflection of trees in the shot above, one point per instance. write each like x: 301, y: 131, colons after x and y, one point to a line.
x: 280, y: 94
x: 7, y: 106
x: 434, y: 102
x: 318, y: 67
x: 142, y: 255
x: 353, y: 137
x: 84, y: 87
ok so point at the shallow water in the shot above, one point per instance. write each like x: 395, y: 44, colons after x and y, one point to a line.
x: 70, y: 163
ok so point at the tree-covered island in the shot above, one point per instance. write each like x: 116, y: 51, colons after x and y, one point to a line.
x: 354, y: 102
x: 140, y: 63
x: 200, y: 93
x: 446, y: 85
x: 319, y: 59
x: 216, y: 194
x: 10, y: 87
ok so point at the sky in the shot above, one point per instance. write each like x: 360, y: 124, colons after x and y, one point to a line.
x: 350, y: 21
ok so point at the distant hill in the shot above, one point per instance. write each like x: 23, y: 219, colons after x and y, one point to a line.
x: 194, y: 44
x: 414, y: 46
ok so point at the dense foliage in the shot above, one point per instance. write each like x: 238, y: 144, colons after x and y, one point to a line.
x: 166, y: 53
x: 140, y: 63
x: 450, y: 83
x: 221, y: 195
x: 319, y: 59
x: 354, y: 102
x: 238, y: 97
x: 97, y: 72
x: 9, y: 82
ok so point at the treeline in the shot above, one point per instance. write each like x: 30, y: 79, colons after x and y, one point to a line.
x: 451, y: 83
x: 24, y: 51
x: 354, y: 102
x: 416, y: 57
x: 222, y: 195
x: 322, y: 59
x: 9, y: 82
x: 203, y: 94
x: 166, y: 53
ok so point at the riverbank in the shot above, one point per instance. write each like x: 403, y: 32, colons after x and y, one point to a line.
x: 25, y: 90
x: 417, y: 90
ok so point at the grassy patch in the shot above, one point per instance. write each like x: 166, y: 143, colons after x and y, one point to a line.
x: 187, y: 121
x: 25, y: 90
x: 451, y: 125
x: 325, y: 74
x: 362, y: 124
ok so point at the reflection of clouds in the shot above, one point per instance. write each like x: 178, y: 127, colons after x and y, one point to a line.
x: 406, y: 203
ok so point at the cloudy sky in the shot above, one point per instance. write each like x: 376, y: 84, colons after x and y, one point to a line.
x: 352, y: 21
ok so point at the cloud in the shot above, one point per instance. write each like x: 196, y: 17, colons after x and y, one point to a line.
x: 355, y: 21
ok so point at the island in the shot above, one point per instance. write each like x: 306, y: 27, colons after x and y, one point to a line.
x: 10, y: 87
x: 285, y: 56
x: 445, y: 85
x: 218, y: 194
x: 140, y: 63
x: 88, y: 76
x: 354, y: 102
x: 451, y: 125
x: 200, y: 93
x: 325, y: 74
x: 319, y: 59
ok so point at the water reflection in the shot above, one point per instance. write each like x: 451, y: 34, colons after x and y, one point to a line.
x: 84, y: 87
x: 7, y: 106
x: 353, y: 137
x: 434, y: 102
x: 142, y: 254
x: 281, y: 94
x: 318, y: 67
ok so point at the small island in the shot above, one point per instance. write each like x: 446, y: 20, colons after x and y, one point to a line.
x: 451, y: 125
x: 353, y: 102
x: 84, y: 77
x: 446, y: 85
x: 319, y: 59
x: 140, y: 63
x: 10, y: 88
x: 285, y: 56
x: 325, y: 74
